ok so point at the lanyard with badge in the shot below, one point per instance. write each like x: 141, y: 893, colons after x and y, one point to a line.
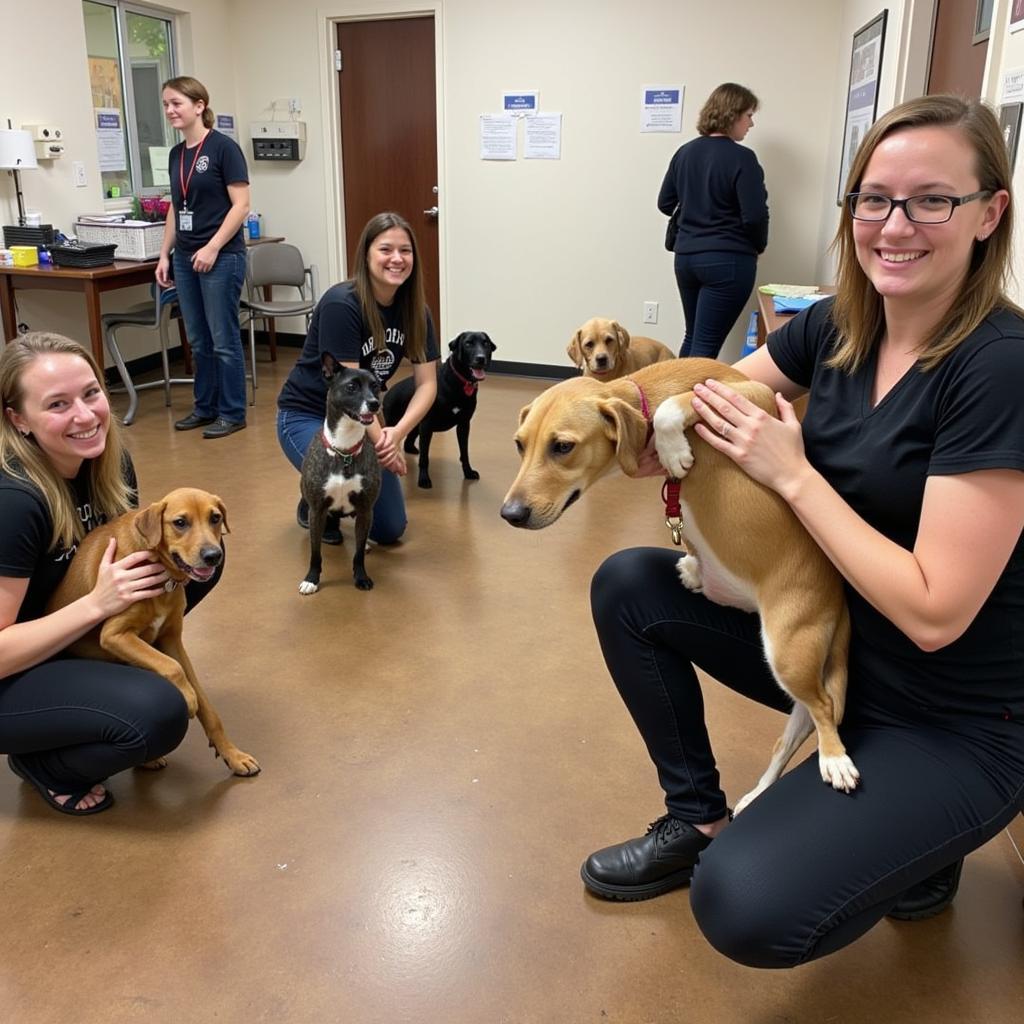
x: 185, y: 214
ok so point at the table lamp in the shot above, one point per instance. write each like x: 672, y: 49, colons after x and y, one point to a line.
x: 17, y: 151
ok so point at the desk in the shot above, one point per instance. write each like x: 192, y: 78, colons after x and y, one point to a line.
x: 769, y: 320
x: 91, y: 283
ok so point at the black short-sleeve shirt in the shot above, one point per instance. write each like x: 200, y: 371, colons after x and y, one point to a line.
x: 964, y: 415
x: 28, y: 529
x: 337, y: 327
x: 218, y: 162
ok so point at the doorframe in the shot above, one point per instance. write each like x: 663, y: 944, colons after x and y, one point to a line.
x: 328, y: 20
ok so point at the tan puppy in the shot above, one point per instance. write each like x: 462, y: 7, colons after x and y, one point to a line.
x: 184, y: 531
x: 604, y: 349
x: 745, y: 547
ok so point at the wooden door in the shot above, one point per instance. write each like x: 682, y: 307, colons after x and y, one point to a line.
x: 389, y: 133
x: 957, y: 62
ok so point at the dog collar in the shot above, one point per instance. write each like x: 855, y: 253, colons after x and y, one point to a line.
x: 172, y: 585
x: 468, y: 386
x: 348, y: 454
x: 670, y: 488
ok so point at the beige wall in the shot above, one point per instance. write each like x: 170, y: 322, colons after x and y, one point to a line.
x: 530, y: 248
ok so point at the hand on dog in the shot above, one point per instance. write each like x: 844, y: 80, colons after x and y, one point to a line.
x: 122, y: 582
x: 648, y: 463
x: 769, y: 450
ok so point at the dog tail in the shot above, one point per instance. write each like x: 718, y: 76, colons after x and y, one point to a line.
x: 836, y: 667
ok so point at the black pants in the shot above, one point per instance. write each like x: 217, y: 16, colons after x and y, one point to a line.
x: 75, y: 722
x: 714, y: 288
x: 804, y: 870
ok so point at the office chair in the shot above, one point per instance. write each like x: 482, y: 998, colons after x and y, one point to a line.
x: 157, y: 313
x: 275, y: 264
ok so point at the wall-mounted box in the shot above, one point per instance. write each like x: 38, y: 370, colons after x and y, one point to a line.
x: 48, y: 140
x: 278, y: 140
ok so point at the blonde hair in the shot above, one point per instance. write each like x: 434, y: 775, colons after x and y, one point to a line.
x: 412, y: 306
x: 194, y: 90
x: 22, y: 458
x: 858, y: 312
x: 723, y: 107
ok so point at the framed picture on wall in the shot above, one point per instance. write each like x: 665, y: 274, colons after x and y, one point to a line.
x: 862, y: 94
x: 1009, y: 121
x: 1017, y: 16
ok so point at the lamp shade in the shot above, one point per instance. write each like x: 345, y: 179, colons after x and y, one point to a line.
x: 17, y: 150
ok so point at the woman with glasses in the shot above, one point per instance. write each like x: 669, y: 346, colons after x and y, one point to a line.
x: 714, y: 188
x: 907, y: 470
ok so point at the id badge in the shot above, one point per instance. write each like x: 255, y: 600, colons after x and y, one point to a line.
x: 185, y: 220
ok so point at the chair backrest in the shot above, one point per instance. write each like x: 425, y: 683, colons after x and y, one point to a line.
x: 275, y: 263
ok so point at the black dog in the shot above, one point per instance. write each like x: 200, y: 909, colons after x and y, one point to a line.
x: 341, y: 472
x: 457, y: 381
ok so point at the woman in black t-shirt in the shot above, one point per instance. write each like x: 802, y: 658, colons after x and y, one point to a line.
x: 209, y: 204
x: 908, y: 470
x: 66, y: 725
x: 371, y: 322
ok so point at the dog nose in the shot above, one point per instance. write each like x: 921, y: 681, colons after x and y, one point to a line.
x: 601, y: 360
x: 373, y: 404
x: 515, y: 513
x: 211, y: 555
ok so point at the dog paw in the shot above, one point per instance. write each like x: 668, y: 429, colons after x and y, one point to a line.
x: 364, y: 583
x: 839, y: 772
x: 424, y: 482
x: 689, y: 573
x: 470, y: 474
x: 674, y: 451
x: 307, y: 587
x: 240, y: 762
x: 746, y: 800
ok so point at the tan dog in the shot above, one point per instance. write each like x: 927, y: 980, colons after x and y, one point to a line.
x: 746, y: 548
x: 184, y: 531
x: 604, y: 349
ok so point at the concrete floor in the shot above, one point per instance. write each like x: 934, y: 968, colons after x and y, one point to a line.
x: 438, y: 757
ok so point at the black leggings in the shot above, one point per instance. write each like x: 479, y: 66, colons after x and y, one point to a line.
x: 75, y: 722
x: 804, y: 870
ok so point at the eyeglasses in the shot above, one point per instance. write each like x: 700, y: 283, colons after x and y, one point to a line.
x: 919, y: 209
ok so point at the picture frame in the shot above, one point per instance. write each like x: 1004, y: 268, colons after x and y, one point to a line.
x: 1009, y: 122
x: 862, y: 92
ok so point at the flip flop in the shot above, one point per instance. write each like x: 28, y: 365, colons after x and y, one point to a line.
x: 70, y: 806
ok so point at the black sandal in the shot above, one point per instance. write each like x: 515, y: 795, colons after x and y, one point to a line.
x: 70, y: 806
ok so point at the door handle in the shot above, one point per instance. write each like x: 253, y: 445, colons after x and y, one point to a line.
x: 432, y: 212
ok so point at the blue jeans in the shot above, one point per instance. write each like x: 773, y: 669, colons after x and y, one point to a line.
x: 209, y: 304
x: 714, y: 288
x: 294, y: 432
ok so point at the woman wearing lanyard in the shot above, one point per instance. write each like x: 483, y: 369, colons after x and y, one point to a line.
x: 209, y: 204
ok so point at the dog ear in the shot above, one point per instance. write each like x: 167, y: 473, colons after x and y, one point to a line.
x: 223, y: 513
x: 454, y: 343
x: 490, y: 344
x: 524, y: 412
x: 626, y: 428
x: 149, y: 524
x: 329, y: 366
x: 622, y: 334
x: 573, y: 351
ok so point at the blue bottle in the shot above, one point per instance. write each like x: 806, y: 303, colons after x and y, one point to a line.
x: 750, y: 345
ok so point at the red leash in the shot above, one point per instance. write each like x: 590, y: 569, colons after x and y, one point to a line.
x: 670, y: 488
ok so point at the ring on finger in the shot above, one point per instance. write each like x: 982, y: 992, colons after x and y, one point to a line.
x: 725, y: 431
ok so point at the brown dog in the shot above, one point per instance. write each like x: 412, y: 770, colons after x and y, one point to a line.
x: 183, y: 530
x: 745, y: 547
x: 604, y: 349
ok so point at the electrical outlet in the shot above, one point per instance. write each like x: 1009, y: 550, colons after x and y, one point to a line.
x: 650, y: 313
x: 78, y: 174
x: 294, y: 106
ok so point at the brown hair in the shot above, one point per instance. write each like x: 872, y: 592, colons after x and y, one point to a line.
x: 21, y: 457
x: 858, y: 312
x: 194, y: 90
x: 412, y: 307
x: 722, y: 108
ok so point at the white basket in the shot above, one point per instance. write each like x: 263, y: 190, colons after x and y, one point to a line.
x: 133, y: 241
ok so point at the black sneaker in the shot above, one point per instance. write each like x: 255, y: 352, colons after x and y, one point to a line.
x: 930, y: 897
x: 640, y: 869
x: 332, y: 528
x: 193, y: 420
x: 222, y: 427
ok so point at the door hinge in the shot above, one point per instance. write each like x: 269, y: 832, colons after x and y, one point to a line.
x: 337, y: 60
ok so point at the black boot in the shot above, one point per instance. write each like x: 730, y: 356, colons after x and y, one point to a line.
x: 639, y: 869
x: 930, y: 897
